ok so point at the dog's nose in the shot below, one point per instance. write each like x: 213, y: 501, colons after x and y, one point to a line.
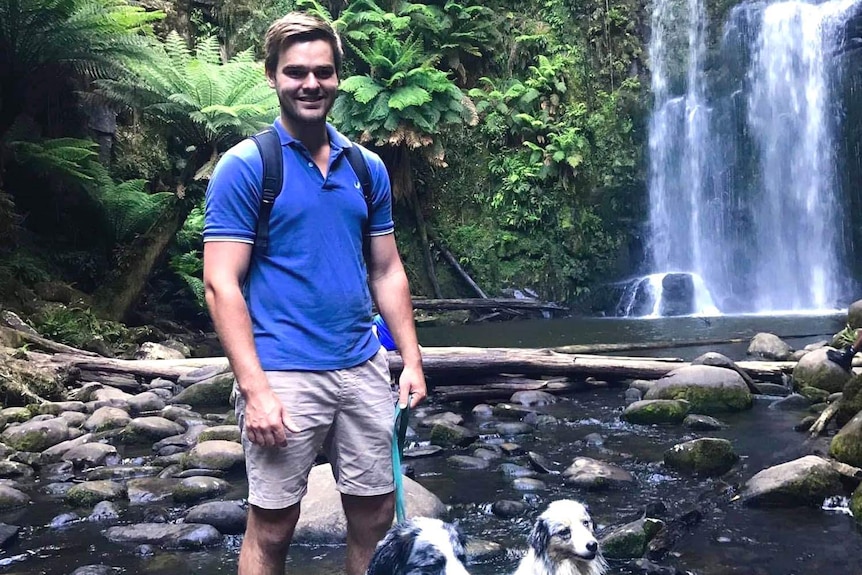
x: 592, y: 546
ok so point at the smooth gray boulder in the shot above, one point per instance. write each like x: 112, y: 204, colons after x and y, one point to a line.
x: 229, y: 517
x: 708, y: 389
x: 769, y: 346
x: 322, y: 519
x: 705, y: 456
x: 35, y: 436
x: 166, y: 535
x: 814, y: 369
x: 803, y: 482
x: 591, y: 473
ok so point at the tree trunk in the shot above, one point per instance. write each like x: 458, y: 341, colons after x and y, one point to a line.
x: 119, y: 295
x: 426, y: 248
x: 453, y: 261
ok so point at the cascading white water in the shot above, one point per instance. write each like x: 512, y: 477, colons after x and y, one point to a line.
x: 678, y: 133
x: 743, y: 187
x: 796, y: 241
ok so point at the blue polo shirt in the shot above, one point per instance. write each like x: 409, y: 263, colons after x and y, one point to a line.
x: 308, y: 295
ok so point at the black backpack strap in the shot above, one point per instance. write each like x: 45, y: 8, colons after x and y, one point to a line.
x: 269, y: 145
x: 360, y: 168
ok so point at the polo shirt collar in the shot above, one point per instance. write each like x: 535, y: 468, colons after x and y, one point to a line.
x: 337, y: 140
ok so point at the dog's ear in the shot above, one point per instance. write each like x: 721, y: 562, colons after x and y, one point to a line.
x: 393, y: 553
x: 540, y: 537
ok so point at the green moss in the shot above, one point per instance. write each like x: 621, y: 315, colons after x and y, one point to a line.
x: 712, y: 400
x: 847, y: 448
x: 856, y: 504
x: 702, y: 457
x: 87, y: 495
x: 851, y: 401
x: 656, y: 411
x: 814, y: 394
x: 627, y: 544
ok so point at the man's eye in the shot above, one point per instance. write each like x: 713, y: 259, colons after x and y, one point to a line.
x: 324, y: 74
x: 296, y: 74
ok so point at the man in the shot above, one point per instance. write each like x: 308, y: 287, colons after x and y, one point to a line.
x: 295, y: 321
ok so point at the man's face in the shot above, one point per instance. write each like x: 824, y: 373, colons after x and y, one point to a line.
x: 305, y: 81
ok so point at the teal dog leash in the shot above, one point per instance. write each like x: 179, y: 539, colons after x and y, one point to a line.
x: 401, y: 417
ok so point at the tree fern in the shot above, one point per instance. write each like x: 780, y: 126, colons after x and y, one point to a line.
x: 206, y: 103
x: 68, y: 158
x: 44, y: 42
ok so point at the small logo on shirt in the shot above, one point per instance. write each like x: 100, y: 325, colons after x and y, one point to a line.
x: 357, y: 185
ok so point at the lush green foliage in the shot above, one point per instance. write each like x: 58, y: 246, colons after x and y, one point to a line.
x: 78, y: 327
x: 514, y: 128
x: 203, y: 104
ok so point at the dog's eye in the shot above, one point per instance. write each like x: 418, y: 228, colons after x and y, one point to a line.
x: 564, y: 533
x: 588, y: 523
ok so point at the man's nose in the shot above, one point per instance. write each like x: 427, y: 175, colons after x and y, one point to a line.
x: 310, y: 81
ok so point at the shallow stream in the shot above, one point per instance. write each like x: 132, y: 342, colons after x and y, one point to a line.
x: 730, y: 540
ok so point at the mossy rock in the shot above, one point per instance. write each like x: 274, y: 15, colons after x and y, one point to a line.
x: 88, y: 493
x: 451, y: 435
x: 656, y: 411
x: 705, y: 456
x: 814, y: 394
x: 803, y: 482
x: 846, y: 446
x: 708, y: 389
x: 851, y: 401
x: 854, y: 314
x: 856, y: 504
x: 212, y: 392
x: 629, y: 541
x: 814, y: 369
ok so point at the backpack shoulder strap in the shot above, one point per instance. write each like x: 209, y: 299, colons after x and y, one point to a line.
x: 360, y: 168
x: 269, y: 146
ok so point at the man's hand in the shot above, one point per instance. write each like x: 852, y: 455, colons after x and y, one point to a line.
x: 411, y: 386
x: 266, y: 421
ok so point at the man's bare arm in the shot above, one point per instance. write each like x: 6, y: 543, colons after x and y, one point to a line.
x: 391, y: 293
x: 225, y: 266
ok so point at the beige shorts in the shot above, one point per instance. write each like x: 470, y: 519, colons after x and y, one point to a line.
x: 347, y: 413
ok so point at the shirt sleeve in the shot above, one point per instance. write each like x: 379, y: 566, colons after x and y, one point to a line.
x: 380, y: 222
x: 233, y: 195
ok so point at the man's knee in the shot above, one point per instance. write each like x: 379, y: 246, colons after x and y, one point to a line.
x: 271, y: 529
x: 369, y: 516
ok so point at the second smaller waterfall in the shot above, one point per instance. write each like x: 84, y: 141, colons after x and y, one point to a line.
x: 667, y: 294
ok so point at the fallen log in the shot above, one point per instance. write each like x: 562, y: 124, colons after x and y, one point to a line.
x: 825, y: 417
x: 15, y: 338
x: 667, y: 344
x: 484, y: 304
x: 480, y: 391
x: 148, y: 368
x: 459, y: 364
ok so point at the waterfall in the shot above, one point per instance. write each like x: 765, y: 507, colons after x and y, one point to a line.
x: 743, y: 181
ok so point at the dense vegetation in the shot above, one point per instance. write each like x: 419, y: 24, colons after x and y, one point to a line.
x: 513, y: 132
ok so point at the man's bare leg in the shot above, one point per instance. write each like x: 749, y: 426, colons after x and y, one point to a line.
x: 368, y: 519
x: 268, y: 533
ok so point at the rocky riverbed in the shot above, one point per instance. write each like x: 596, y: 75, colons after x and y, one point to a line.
x: 147, y: 475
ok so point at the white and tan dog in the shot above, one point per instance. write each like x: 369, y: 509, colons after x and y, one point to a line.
x: 562, y: 543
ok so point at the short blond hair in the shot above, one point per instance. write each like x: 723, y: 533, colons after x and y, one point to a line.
x: 298, y: 27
